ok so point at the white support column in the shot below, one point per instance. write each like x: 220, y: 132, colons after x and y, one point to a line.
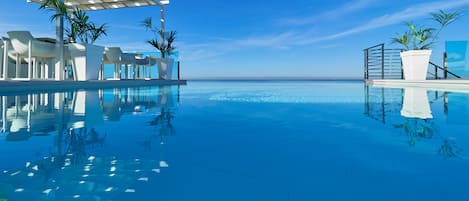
x: 115, y: 71
x: 30, y: 47
x: 101, y: 71
x: 34, y: 68
x: 119, y: 70
x: 60, y: 62
x: 43, y: 70
x: 18, y: 64
x: 5, y: 60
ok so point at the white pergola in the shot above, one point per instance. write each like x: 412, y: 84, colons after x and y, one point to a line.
x: 91, y: 5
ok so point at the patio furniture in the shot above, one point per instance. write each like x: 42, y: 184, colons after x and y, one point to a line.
x: 35, y: 52
x: 145, y: 63
x: 9, y: 66
x: 114, y: 55
x: 102, y: 5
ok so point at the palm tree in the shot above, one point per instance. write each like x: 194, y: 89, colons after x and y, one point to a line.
x: 444, y: 19
x: 58, y: 7
x: 80, y: 26
x: 422, y: 38
x: 96, y: 32
x: 163, y: 40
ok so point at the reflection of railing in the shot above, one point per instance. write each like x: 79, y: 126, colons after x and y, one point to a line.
x: 379, y: 102
x: 411, y: 116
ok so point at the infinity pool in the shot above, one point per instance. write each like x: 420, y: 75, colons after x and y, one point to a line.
x: 230, y: 140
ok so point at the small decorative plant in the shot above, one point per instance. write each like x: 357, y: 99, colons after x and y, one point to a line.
x: 80, y: 27
x: 163, y: 40
x: 422, y: 38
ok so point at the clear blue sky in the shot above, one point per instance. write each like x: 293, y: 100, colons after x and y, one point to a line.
x: 307, y: 38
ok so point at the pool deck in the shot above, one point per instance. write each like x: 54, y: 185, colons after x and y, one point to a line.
x: 451, y: 85
x: 51, y: 85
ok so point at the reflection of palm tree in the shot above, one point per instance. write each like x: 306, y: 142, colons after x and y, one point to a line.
x: 417, y: 129
x: 71, y: 150
x: 163, y: 120
x: 76, y: 142
x: 449, y: 149
x: 76, y: 145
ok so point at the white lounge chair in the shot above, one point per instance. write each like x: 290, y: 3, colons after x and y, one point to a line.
x: 146, y: 62
x: 11, y: 66
x: 114, y: 55
x: 34, y: 51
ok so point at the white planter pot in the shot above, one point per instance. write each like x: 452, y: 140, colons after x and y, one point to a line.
x: 87, y: 59
x: 165, y: 68
x: 416, y: 104
x: 415, y: 64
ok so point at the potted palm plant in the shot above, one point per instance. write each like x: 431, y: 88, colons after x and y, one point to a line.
x: 81, y: 33
x: 163, y: 42
x: 417, y: 41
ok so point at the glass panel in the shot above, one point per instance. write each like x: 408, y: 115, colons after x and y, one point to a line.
x: 457, y: 52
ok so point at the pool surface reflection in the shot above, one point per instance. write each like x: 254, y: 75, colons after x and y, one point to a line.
x: 269, y: 140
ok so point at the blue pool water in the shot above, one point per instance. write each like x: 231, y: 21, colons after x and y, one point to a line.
x: 266, y: 140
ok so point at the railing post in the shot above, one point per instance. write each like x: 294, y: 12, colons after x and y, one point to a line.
x: 179, y: 70
x: 436, y: 72
x: 402, y: 67
x: 445, y: 65
x: 382, y: 61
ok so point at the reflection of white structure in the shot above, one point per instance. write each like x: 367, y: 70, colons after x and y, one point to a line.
x: 165, y: 97
x: 42, y: 114
x: 416, y: 104
x: 87, y: 111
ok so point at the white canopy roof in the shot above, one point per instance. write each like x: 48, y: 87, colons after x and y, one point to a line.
x: 108, y: 4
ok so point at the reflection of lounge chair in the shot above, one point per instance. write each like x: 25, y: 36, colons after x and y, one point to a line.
x: 34, y: 51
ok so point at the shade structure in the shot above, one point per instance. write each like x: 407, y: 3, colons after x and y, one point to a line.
x: 108, y: 4
x: 90, y: 5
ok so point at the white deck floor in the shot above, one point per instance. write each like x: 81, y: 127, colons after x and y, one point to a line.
x: 451, y: 85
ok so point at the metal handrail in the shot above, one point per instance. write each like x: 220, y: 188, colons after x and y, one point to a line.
x: 444, y: 70
x: 382, y: 44
x: 382, y: 63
